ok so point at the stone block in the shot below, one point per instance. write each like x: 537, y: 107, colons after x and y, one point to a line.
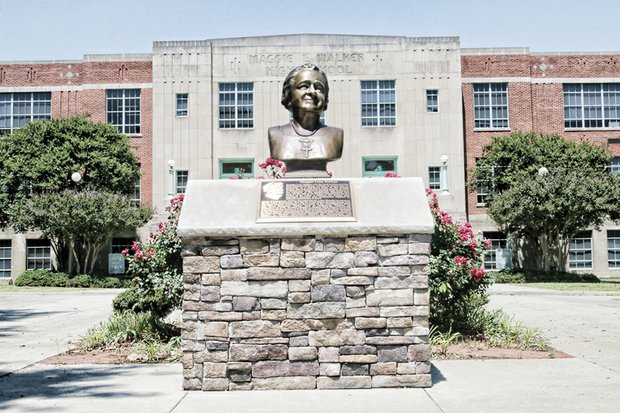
x: 299, y: 341
x: 421, y: 297
x: 201, y: 264
x: 394, y: 271
x: 244, y: 303
x: 397, y: 311
x: 329, y: 260
x: 189, y: 295
x: 329, y: 369
x: 263, y: 274
x: 214, y: 384
x: 420, y: 281
x: 350, y: 382
x: 191, y: 278
x: 215, y: 329
x: 404, y: 260
x: 387, y: 240
x: 419, y: 248
x: 294, y: 259
x: 329, y: 338
x: 192, y: 384
x: 337, y: 273
x: 216, y: 345
x: 417, y: 331
x: 258, y: 328
x: 363, y: 312
x: 399, y: 322
x: 366, y: 258
x: 389, y: 298
x: 209, y: 242
x: 285, y: 368
x: 358, y: 359
x: 219, y: 316
x: 407, y: 368
x: 391, y: 340
x: 419, y: 352
x: 386, y: 368
x: 219, y: 250
x: 356, y: 302
x: 261, y: 260
x: 274, y: 315
x: 367, y: 323
x: 213, y: 370
x: 333, y: 245
x: 316, y: 310
x: 389, y: 250
x: 320, y: 277
x: 210, y: 293
x: 353, y: 281
x: 257, y: 352
x: 359, y: 349
x: 234, y: 275
x: 355, y: 291
x: 211, y: 356
x: 360, y: 244
x: 391, y: 283
x: 302, y: 353
x: 417, y: 380
x: 322, y: 293
x: 272, y: 304
x: 329, y: 354
x: 284, y: 383
x: 253, y: 246
x: 392, y: 353
x: 231, y: 261
x: 266, y: 289
x: 210, y: 279
x: 423, y: 367
x: 354, y: 370
x: 298, y: 244
x: 299, y: 285
x: 299, y: 298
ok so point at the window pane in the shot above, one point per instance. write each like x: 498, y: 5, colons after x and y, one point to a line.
x: 378, y: 102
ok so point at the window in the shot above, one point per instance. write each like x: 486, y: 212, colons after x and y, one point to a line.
x: 236, y: 105
x: 38, y: 254
x: 182, y: 105
x: 123, y: 110
x: 481, y: 195
x: 121, y: 243
x: 378, y: 103
x: 580, y: 251
x: 16, y: 109
x: 498, y: 242
x: 432, y: 101
x: 135, y: 197
x: 5, y: 258
x: 378, y: 166
x: 615, y: 165
x: 182, y: 177
x: 592, y: 105
x: 613, y: 249
x: 434, y: 177
x: 491, y: 105
x: 236, y: 168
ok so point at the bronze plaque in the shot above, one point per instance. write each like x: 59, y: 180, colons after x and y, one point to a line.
x: 305, y: 201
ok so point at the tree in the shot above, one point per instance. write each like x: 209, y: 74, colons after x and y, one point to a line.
x: 78, y: 224
x: 37, y: 193
x: 544, y: 189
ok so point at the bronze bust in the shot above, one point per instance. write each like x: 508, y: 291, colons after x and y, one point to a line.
x: 305, y: 145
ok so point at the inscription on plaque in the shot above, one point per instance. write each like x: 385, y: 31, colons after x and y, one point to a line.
x: 305, y: 201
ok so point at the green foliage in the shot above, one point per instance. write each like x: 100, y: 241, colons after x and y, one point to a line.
x: 48, y: 278
x: 442, y: 340
x: 78, y: 224
x: 544, y: 189
x: 457, y: 282
x: 126, y: 327
x: 500, y: 330
x: 157, y: 265
x: 533, y: 276
x: 134, y: 299
x: 41, y: 156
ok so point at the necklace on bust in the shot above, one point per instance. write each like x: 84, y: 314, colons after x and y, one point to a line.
x: 303, y: 135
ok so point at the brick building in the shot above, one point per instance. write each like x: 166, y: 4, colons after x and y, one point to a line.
x: 414, y: 106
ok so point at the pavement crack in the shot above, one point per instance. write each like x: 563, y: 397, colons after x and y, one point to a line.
x: 177, y: 403
x: 434, y: 401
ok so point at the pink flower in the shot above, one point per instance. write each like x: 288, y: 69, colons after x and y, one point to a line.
x: 135, y: 246
x: 125, y: 251
x: 460, y: 260
x: 391, y: 175
x: 488, y: 243
x: 473, y: 245
x: 477, y: 273
x: 330, y: 174
x: 429, y: 191
x: 139, y: 255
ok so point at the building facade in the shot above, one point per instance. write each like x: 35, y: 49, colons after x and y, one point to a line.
x: 415, y: 106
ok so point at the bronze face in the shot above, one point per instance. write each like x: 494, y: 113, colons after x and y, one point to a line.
x: 308, y: 92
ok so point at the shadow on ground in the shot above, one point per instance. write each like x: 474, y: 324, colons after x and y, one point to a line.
x: 51, y: 383
x: 436, y: 375
x: 20, y: 316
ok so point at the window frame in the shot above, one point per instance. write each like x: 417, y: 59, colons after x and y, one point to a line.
x: 382, y: 172
x: 490, y: 94
x: 613, y: 249
x: 226, y: 175
x: 614, y: 167
x: 380, y: 120
x: 499, y: 240
x: 432, y: 171
x: 6, y: 246
x: 576, y: 251
x: 237, y: 94
x: 12, y: 103
x: 136, y: 196
x: 432, y: 106
x: 123, y: 101
x: 582, y: 98
x: 182, y: 174
x: 181, y: 112
x: 43, y: 262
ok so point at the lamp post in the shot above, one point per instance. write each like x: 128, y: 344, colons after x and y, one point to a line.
x: 443, y: 174
x: 171, y: 190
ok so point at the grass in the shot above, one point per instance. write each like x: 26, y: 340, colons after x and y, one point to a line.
x: 603, y: 286
x: 14, y: 289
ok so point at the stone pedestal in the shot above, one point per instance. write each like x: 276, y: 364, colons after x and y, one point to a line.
x: 306, y: 305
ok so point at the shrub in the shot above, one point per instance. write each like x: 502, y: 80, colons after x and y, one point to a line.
x: 533, y: 276
x: 49, y: 278
x: 458, y: 281
x: 156, y: 266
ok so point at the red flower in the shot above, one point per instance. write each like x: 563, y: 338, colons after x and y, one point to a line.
x: 477, y: 273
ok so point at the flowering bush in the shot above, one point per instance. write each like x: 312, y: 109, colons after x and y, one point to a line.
x: 157, y: 265
x: 273, y: 168
x: 458, y: 280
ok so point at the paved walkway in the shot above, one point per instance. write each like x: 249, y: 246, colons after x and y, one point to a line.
x: 562, y: 385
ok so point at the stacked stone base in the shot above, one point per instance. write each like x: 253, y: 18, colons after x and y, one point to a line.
x: 306, y: 313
